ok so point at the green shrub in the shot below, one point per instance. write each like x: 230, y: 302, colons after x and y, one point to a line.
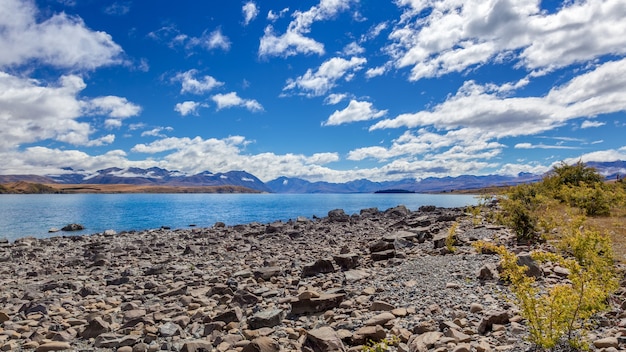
x: 563, y: 310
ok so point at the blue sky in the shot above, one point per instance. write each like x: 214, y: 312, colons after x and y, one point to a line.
x: 332, y: 90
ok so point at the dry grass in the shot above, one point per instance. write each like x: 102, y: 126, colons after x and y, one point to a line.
x: 615, y: 227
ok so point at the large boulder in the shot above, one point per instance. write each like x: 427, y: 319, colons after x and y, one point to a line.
x: 338, y: 215
x: 73, y: 227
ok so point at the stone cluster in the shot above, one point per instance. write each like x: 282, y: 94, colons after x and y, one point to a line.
x: 324, y: 284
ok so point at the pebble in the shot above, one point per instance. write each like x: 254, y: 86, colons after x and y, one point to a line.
x: 265, y: 287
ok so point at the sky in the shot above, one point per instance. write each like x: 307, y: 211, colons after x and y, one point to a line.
x: 329, y: 90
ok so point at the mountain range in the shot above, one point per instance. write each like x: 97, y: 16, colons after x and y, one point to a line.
x: 161, y: 177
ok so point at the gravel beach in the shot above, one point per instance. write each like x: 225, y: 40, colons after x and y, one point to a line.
x: 322, y: 284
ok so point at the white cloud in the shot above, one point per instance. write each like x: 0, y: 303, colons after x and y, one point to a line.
x: 335, y: 98
x: 541, y: 146
x: 112, y: 106
x: 294, y: 40
x: 461, y: 145
x: 250, y: 11
x: 188, y: 107
x: 61, y: 40
x: 118, y: 8
x: 273, y: 16
x: 104, y: 140
x: 112, y: 123
x: 600, y: 91
x: 324, y: 79
x: 456, y: 36
x: 175, y: 38
x: 157, y: 132
x: 600, y: 156
x: 376, y: 71
x: 355, y: 111
x: 213, y: 40
x: 190, y: 84
x: 32, y: 111
x: 231, y: 99
x: 591, y: 124
x: 353, y: 49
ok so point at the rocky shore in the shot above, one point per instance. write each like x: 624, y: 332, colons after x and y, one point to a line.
x: 322, y: 284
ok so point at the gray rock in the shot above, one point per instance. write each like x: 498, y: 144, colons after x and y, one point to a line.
x: 73, y: 227
x: 381, y: 246
x: 324, y: 339
x: 320, y: 266
x: 266, y: 319
x: 95, y: 327
x: 492, y: 317
x: 315, y: 305
x: 338, y: 215
x: 533, y: 268
x: 262, y: 344
x: 488, y: 272
x: 347, y: 261
x: 606, y: 342
x: 424, y: 342
x: 197, y: 346
x: 169, y: 329
x: 267, y: 273
x: 384, y: 255
x: 374, y: 333
x: 229, y: 316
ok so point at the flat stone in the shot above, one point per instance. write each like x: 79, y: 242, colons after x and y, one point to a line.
x: 54, y: 346
x: 320, y: 266
x: 197, y: 346
x: 324, y: 339
x: 262, y: 344
x: 323, y: 303
x: 380, y: 319
x: 381, y: 305
x: 355, y: 275
x: 266, y: 319
x: 606, y: 342
x: 366, y: 333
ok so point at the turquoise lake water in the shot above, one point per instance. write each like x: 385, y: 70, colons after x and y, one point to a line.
x: 35, y: 214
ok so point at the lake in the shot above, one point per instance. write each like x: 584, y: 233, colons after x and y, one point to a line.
x: 34, y: 214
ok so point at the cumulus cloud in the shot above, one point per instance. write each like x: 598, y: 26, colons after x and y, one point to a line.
x: 112, y: 106
x: 294, y: 41
x: 355, y: 111
x: 325, y: 78
x: 231, y: 99
x: 32, y: 111
x: 335, y: 98
x: 353, y: 49
x: 191, y: 84
x: 188, y: 107
x: 591, y: 124
x: 456, y: 36
x: 599, y: 91
x: 250, y: 11
x: 61, y: 40
x: 213, y: 40
x: 157, y: 132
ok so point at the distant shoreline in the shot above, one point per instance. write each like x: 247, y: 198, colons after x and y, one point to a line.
x: 23, y: 187
x: 58, y: 188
